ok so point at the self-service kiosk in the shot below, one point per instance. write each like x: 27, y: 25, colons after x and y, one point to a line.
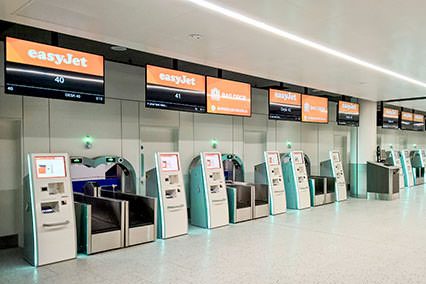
x: 243, y: 196
x: 295, y: 180
x: 418, y: 162
x: 406, y: 168
x: 165, y: 182
x: 333, y: 167
x: 113, y: 172
x: 49, y: 222
x: 393, y: 158
x: 270, y: 173
x: 208, y: 194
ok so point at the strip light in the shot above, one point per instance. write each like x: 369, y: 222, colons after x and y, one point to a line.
x: 274, y: 30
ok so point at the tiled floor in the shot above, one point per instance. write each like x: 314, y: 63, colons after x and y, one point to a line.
x: 357, y: 241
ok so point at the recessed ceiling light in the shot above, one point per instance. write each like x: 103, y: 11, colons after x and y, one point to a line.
x: 118, y: 48
x: 195, y: 36
x: 284, y: 34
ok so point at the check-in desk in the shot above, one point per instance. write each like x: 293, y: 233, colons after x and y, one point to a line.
x: 140, y: 220
x: 382, y: 181
x: 322, y: 190
x: 100, y: 223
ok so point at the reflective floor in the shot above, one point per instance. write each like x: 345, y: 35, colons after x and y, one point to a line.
x: 357, y: 241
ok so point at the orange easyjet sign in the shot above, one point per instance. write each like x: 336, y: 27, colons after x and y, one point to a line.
x: 419, y: 118
x: 282, y: 97
x: 408, y: 116
x: 390, y: 113
x: 43, y: 55
x: 175, y: 79
x: 314, y: 109
x: 348, y: 108
x: 228, y: 97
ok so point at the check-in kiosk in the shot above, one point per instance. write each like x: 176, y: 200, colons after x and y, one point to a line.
x: 100, y: 223
x: 393, y: 158
x: 406, y: 168
x: 270, y: 173
x: 113, y: 172
x: 418, y: 162
x: 165, y: 182
x: 333, y: 167
x: 295, y: 180
x: 238, y: 191
x: 49, y: 222
x: 208, y: 194
x: 382, y: 181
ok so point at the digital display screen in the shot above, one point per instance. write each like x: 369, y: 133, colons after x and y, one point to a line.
x: 174, y: 90
x: 273, y: 158
x: 285, y: 105
x: 213, y: 161
x: 406, y: 120
x: 228, y: 97
x: 348, y: 113
x: 335, y: 156
x: 169, y: 163
x: 390, y: 118
x: 419, y: 122
x: 298, y: 157
x: 314, y: 109
x: 50, y: 167
x: 41, y: 70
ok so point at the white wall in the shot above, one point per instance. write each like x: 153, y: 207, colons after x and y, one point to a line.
x: 123, y: 125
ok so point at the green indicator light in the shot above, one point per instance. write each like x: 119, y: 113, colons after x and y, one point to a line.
x: 415, y: 145
x: 110, y: 160
x: 88, y: 139
x: 288, y: 144
x: 214, y: 142
x: 76, y: 161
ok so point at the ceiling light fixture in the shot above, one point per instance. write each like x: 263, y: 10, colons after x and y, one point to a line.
x: 268, y: 28
x: 118, y: 48
x: 195, y: 36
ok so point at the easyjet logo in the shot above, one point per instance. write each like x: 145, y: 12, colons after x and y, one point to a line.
x: 58, y: 59
x: 391, y: 111
x: 217, y: 94
x: 185, y: 80
x: 349, y: 106
x: 286, y: 96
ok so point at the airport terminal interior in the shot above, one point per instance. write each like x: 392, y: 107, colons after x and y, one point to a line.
x: 212, y: 141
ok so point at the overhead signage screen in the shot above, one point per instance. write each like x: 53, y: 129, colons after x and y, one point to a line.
x: 175, y: 90
x: 284, y: 105
x: 406, y: 120
x: 41, y: 70
x: 390, y: 118
x: 314, y: 109
x: 348, y: 113
x: 228, y: 97
x: 419, y: 122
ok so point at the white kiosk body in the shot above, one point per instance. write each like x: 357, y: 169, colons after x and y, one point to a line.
x: 49, y: 220
x: 407, y: 169
x: 209, y: 198
x: 165, y: 182
x: 296, y: 180
x: 270, y: 173
x: 395, y: 160
x: 334, y: 168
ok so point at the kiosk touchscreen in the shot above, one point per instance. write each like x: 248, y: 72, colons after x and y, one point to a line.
x: 393, y: 158
x: 49, y: 221
x: 165, y: 182
x: 418, y: 162
x: 406, y: 168
x: 296, y: 180
x: 333, y: 167
x: 209, y: 200
x: 270, y: 173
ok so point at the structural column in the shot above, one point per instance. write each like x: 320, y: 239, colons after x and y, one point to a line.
x: 363, y: 147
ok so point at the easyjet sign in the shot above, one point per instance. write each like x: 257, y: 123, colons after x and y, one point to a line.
x: 348, y: 108
x: 408, y: 116
x: 43, y: 55
x: 390, y: 113
x: 175, y: 79
x: 281, y: 97
x: 419, y: 118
